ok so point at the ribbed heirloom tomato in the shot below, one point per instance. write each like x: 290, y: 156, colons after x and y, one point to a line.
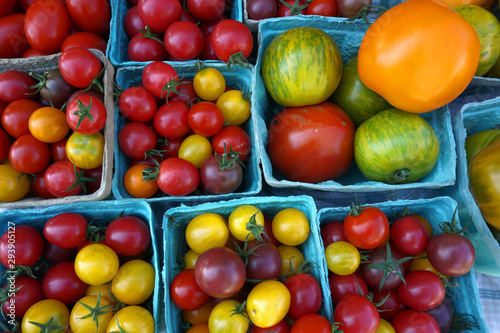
x: 312, y: 143
x: 412, y: 62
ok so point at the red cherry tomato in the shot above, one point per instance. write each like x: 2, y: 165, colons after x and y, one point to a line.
x: 128, y: 236
x: 66, y: 230
x: 79, y: 66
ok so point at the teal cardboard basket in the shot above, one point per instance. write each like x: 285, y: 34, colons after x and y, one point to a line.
x: 101, y: 213
x: 472, y: 118
x: 348, y: 36
x: 252, y: 178
x: 117, y: 49
x: 465, y: 297
x: 176, y: 220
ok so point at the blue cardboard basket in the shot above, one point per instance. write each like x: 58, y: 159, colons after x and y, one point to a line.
x: 465, y: 297
x: 176, y: 220
x: 118, y: 39
x: 348, y: 36
x: 252, y: 179
x: 472, y: 118
x: 101, y: 213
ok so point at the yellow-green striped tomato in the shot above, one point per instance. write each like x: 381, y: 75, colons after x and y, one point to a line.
x: 396, y: 147
x: 488, y: 30
x: 301, y: 66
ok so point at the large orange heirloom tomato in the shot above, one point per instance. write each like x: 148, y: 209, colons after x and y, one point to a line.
x: 419, y: 55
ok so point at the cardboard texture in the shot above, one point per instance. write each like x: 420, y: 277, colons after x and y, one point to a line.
x: 252, y: 178
x: 465, y: 297
x: 348, y: 36
x: 118, y: 39
x: 176, y: 220
x: 37, y: 65
x: 101, y: 213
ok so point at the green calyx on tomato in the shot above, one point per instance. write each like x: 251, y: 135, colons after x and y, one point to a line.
x: 229, y: 159
x: 295, y: 9
x: 171, y: 87
x: 83, y: 112
x: 96, y: 311
x: 48, y: 327
x: 147, y: 33
x: 389, y: 266
x: 80, y: 180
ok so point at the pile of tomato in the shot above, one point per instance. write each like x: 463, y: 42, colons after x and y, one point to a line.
x: 52, y: 124
x: 397, y: 283
x: 72, y: 275
x: 178, y: 31
x: 183, y: 136
x: 31, y: 28
x: 246, y: 271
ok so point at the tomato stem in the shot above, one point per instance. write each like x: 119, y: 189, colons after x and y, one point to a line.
x: 462, y: 322
x: 239, y: 310
x: 171, y: 87
x: 150, y: 174
x: 389, y: 266
x: 295, y: 9
x: 401, y: 175
x: 48, y: 326
x: 254, y: 228
x: 80, y: 180
x: 146, y: 33
x: 366, y: 10
x: 96, y: 82
x: 229, y: 159
x: 42, y: 79
x: 238, y: 59
x: 83, y: 112
x: 96, y: 311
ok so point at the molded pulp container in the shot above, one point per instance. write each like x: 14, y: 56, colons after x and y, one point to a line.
x: 176, y: 220
x: 37, y: 65
x: 473, y: 118
x: 348, y: 36
x: 100, y: 213
x: 118, y: 39
x: 252, y: 179
x: 465, y: 297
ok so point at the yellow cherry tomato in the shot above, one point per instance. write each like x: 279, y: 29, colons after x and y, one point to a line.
x: 422, y: 263
x: 234, y: 106
x: 223, y: 318
x: 241, y: 218
x: 291, y: 260
x: 195, y: 149
x: 81, y: 322
x: 48, y: 124
x: 86, y: 151
x: 205, y: 231
x: 96, y: 264
x: 291, y: 227
x: 132, y: 319
x: 342, y: 258
x: 43, y: 311
x: 13, y: 187
x: 134, y: 283
x: 268, y: 303
x: 385, y: 327
x: 136, y: 186
x: 209, y: 84
x: 190, y: 258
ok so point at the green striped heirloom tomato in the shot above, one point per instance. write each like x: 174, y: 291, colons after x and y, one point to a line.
x: 395, y: 147
x: 352, y: 96
x: 484, y: 182
x: 488, y: 30
x: 301, y: 66
x: 476, y: 142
